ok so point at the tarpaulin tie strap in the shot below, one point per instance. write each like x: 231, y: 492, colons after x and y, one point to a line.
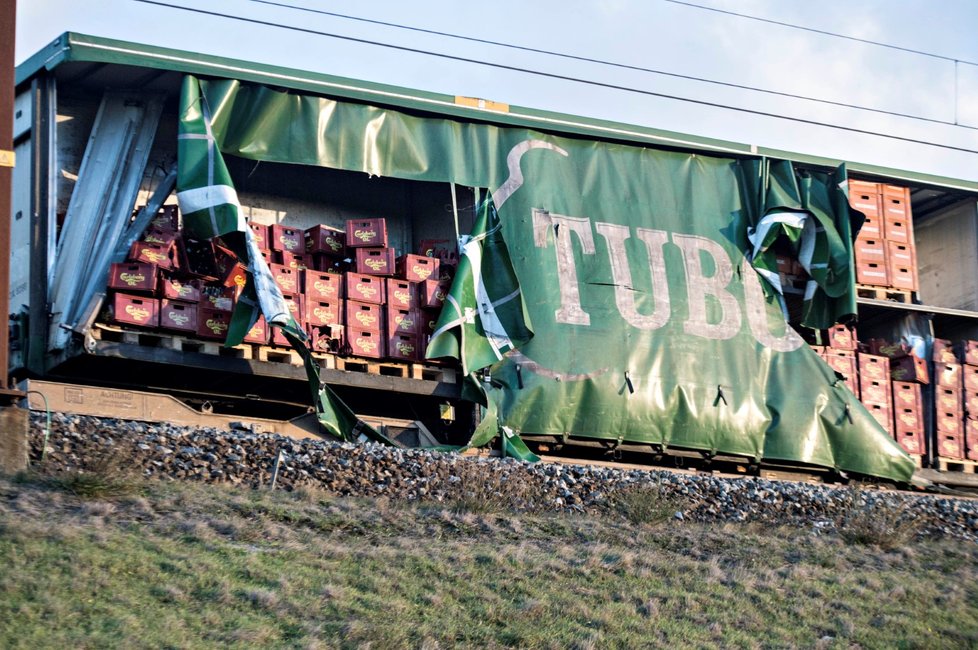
x: 849, y: 413
x: 720, y: 396
x: 628, y: 382
x: 519, y: 375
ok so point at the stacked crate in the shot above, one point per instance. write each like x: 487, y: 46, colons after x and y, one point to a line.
x: 968, y: 356
x: 885, y: 254
x: 840, y: 354
x: 948, y: 401
x: 175, y: 283
x: 907, y: 374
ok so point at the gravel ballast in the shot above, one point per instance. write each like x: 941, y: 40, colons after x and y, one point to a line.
x: 373, y: 470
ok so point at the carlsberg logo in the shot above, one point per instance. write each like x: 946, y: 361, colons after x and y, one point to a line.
x: 132, y: 279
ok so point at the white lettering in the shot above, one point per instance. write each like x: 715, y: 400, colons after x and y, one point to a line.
x: 615, y: 236
x: 562, y: 227
x: 699, y: 287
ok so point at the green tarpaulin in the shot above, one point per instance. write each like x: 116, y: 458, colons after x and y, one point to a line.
x: 649, y: 322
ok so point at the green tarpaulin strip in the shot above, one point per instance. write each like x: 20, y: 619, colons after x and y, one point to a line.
x: 633, y: 271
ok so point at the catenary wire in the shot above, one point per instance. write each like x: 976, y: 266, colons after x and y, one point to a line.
x: 613, y: 64
x: 821, y: 31
x: 558, y: 77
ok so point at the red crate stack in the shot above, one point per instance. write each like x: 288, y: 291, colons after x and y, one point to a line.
x: 949, y: 400
x: 885, y: 253
x: 874, y: 387
x: 967, y: 354
x: 908, y: 417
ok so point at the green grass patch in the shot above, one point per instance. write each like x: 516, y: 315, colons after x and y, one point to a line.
x: 189, y: 566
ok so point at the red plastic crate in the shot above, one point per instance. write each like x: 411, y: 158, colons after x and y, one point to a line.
x: 873, y: 367
x: 326, y: 339
x: 135, y: 310
x: 883, y: 415
x: 375, y: 261
x: 865, y: 197
x: 366, y: 233
x: 895, y: 202
x: 218, y: 298
x: 157, y: 254
x: 174, y: 289
x: 212, y: 323
x: 322, y: 286
x: 402, y: 293
x: 365, y: 343
x: 910, y: 368
x: 403, y: 321
x: 177, y: 315
x: 293, y: 260
x: 403, y: 347
x: 970, y: 377
x: 842, y: 337
x: 947, y: 374
x: 971, y: 439
x: 285, y: 238
x: 429, y: 317
x: 321, y: 313
x: 258, y: 332
x: 289, y: 280
x: 323, y: 239
x: 365, y: 288
x: 133, y: 277
x: 948, y: 422
x: 950, y: 445
x: 872, y: 273
x: 870, y: 250
x: 949, y: 400
x: 942, y: 351
x: 168, y: 219
x: 907, y: 395
x: 911, y: 441
x: 875, y: 392
x: 417, y: 268
x: 260, y: 232
x: 364, y: 316
x: 434, y: 293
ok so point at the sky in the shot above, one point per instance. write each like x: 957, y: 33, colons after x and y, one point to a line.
x: 937, y: 86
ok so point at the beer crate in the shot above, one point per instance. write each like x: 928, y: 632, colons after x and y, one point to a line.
x: 369, y: 233
x: 133, y: 277
x: 177, y: 315
x: 285, y: 238
x: 365, y: 288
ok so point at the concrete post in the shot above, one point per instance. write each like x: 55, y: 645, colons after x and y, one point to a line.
x: 14, y: 427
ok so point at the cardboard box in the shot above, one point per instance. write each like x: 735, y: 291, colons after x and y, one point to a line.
x: 364, y: 316
x: 258, y: 332
x: 177, y: 315
x: 323, y: 239
x: 174, y: 289
x: 365, y: 343
x: 948, y: 375
x: 417, y: 268
x: 322, y: 313
x: 289, y: 280
x: 135, y: 310
x: 403, y: 347
x: 403, y: 321
x: 365, y: 288
x: 212, y: 323
x: 375, y: 261
x: 133, y: 277
x: 260, y: 233
x: 402, y: 293
x: 842, y: 337
x: 873, y: 367
x: 371, y: 233
x: 284, y: 238
x: 322, y: 286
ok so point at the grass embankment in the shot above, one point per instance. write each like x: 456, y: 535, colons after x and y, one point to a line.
x: 104, y: 564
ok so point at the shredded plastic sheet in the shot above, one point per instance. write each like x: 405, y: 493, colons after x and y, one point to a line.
x: 650, y: 325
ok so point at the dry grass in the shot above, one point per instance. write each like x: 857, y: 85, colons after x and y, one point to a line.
x: 479, y: 488
x: 192, y: 566
x: 876, y: 522
x: 645, y: 504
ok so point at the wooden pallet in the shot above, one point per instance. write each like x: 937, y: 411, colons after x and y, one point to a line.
x: 885, y: 293
x: 271, y: 354
x: 169, y: 341
x: 957, y: 465
x: 387, y: 368
x: 918, y: 460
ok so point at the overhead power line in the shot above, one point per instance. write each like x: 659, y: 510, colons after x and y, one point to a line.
x: 819, y: 31
x: 613, y: 64
x: 550, y: 75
